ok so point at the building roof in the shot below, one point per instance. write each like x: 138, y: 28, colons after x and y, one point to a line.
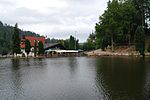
x: 32, y: 40
x: 38, y: 39
x: 54, y: 46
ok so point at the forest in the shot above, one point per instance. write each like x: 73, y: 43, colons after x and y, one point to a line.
x: 71, y: 43
x: 6, y: 33
x: 118, y: 24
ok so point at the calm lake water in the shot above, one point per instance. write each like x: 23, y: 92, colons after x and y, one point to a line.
x: 77, y: 78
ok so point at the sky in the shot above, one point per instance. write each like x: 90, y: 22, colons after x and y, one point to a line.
x: 54, y: 18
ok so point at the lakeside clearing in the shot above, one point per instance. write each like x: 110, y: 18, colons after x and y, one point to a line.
x: 118, y: 51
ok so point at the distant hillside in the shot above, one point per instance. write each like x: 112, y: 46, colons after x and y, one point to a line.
x: 6, y: 32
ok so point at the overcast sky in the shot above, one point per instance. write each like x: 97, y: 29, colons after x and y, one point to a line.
x: 54, y: 18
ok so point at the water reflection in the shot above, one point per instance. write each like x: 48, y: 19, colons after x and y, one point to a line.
x: 79, y: 78
x: 16, y: 79
x: 72, y: 65
x: 15, y: 64
x: 122, y: 78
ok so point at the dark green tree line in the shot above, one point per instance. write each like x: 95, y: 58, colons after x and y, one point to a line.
x: 35, y: 48
x: 6, y: 36
x: 16, y: 41
x: 40, y: 48
x: 27, y: 46
x: 140, y: 40
x: 71, y: 44
x: 118, y: 24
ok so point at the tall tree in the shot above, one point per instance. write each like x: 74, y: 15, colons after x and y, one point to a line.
x: 73, y: 43
x: 40, y: 48
x: 143, y: 9
x: 140, y: 40
x: 16, y: 41
x: 27, y: 46
x: 91, y: 43
x: 110, y: 22
x: 6, y: 37
x: 35, y: 48
x: 118, y: 23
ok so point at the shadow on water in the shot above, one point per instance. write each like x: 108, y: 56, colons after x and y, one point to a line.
x: 73, y: 78
x: 15, y: 64
x: 16, y: 79
x: 72, y: 65
x: 23, y: 70
x: 122, y: 78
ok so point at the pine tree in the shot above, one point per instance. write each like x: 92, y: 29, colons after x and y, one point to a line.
x: 16, y: 41
x: 40, y: 48
x: 73, y: 43
x: 27, y: 46
x: 140, y: 40
x: 35, y: 48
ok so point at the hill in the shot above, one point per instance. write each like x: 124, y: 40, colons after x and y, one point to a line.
x: 6, y: 32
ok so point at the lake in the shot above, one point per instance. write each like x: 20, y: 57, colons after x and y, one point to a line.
x: 75, y: 78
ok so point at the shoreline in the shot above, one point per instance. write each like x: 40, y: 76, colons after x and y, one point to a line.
x: 94, y: 53
x: 109, y: 53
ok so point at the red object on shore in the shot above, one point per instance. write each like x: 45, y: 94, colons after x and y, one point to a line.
x: 32, y: 40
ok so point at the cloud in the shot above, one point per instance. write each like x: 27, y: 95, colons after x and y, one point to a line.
x: 54, y: 18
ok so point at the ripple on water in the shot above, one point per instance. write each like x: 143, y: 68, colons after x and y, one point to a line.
x: 75, y: 78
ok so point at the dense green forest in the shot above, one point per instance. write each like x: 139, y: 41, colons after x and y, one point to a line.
x: 118, y: 24
x: 71, y: 43
x: 6, y: 33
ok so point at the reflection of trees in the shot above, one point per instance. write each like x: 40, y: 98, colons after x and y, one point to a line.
x: 15, y: 64
x: 147, y: 81
x: 38, y: 62
x: 16, y: 78
x: 121, y: 78
x: 72, y: 65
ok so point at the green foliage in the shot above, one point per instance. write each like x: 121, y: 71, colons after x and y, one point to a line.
x: 5, y: 39
x: 16, y: 40
x: 48, y: 40
x: 105, y: 42
x: 148, y: 49
x: 120, y: 21
x: 40, y: 48
x: 66, y: 43
x: 71, y: 43
x: 6, y: 35
x: 143, y: 9
x: 27, y: 46
x: 91, y: 43
x: 140, y: 40
x: 35, y: 48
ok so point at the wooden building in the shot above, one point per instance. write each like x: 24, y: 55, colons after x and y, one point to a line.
x: 57, y: 49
